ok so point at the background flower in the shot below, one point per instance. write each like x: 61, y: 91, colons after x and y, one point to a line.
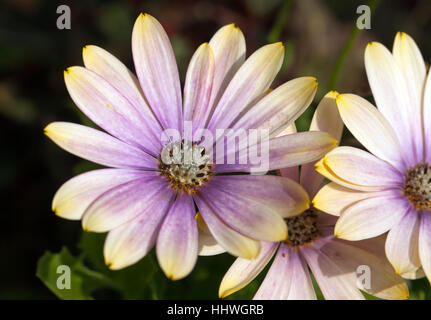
x: 311, y: 244
x: 388, y: 189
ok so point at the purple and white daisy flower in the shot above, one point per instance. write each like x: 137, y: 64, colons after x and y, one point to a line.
x: 389, y: 187
x: 311, y: 244
x: 147, y: 198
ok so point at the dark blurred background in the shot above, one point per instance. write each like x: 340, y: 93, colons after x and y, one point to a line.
x: 34, y: 53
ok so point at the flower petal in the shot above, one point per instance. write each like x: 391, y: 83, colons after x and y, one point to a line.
x: 74, y: 196
x: 104, y: 105
x: 229, y: 48
x: 157, y: 71
x: 334, y: 198
x: 131, y: 241
x: 402, y: 243
x: 289, y: 172
x: 427, y: 115
x: 390, y: 92
x: 287, y: 279
x: 208, y: 245
x: 98, y: 147
x: 371, y: 128
x: 371, y: 217
x: 197, y: 88
x: 243, y: 271
x: 425, y: 243
x: 122, y: 79
x: 334, y: 283
x: 283, y: 152
x: 177, y: 244
x: 249, y: 84
x: 124, y: 202
x: 326, y: 118
x: 349, y: 257
x: 235, y: 243
x: 256, y: 212
x: 280, y: 107
x: 411, y: 63
x: 362, y: 168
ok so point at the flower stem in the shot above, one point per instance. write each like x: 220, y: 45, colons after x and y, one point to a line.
x: 333, y: 80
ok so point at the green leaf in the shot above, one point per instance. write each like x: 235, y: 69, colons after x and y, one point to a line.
x: 83, y: 281
x: 133, y: 281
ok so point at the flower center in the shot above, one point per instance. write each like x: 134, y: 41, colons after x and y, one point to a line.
x: 417, y: 187
x: 302, y: 228
x: 185, y: 165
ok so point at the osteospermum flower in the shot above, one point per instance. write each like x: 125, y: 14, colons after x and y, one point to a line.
x: 311, y: 243
x: 389, y: 187
x: 149, y: 194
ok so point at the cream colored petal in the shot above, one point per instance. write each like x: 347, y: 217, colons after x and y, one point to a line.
x: 390, y: 92
x: 370, y: 217
x: 208, y: 245
x: 362, y: 168
x: 402, y: 244
x: 409, y: 59
x: 334, y: 198
x: 327, y: 172
x: 370, y: 127
x: 243, y: 271
x: 326, y: 118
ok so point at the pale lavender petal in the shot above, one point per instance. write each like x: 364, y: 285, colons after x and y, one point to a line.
x: 124, y: 202
x: 412, y: 65
x: 287, y: 279
x: 390, y: 92
x: 235, y: 243
x: 281, y: 107
x: 352, y: 259
x: 157, y: 71
x: 243, y: 271
x: 289, y: 172
x: 228, y: 45
x: 285, y: 151
x: 425, y: 243
x: 177, y: 243
x: 402, y: 243
x: 371, y: 217
x: 121, y: 78
x: 280, y: 194
x: 255, y: 205
x: 98, y: 147
x: 198, y: 85
x: 326, y: 118
x: 334, y: 282
x: 106, y: 106
x: 131, y: 241
x: 248, y: 85
x: 74, y: 196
